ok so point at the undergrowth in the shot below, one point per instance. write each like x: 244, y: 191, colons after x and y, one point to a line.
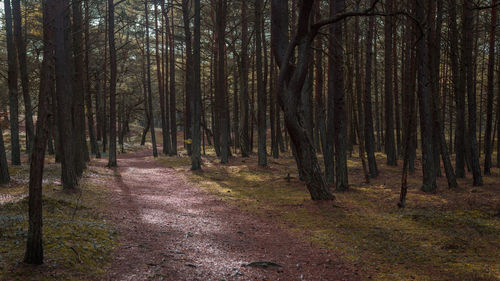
x: 77, y: 240
x: 449, y: 235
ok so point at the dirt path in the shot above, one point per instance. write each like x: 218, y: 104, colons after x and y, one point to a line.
x: 169, y: 230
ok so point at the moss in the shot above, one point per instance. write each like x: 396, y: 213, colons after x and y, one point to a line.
x: 77, y: 240
x: 436, y: 238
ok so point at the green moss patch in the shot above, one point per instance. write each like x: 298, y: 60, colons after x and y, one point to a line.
x: 449, y: 235
x: 77, y: 240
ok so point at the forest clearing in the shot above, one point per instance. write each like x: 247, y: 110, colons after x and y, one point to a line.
x: 249, y: 140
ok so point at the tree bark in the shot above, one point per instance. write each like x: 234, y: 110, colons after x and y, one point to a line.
x: 244, y: 102
x: 368, y: 126
x: 220, y: 87
x: 425, y: 102
x: 173, y: 103
x: 491, y: 80
x: 290, y: 84
x: 161, y: 87
x: 23, y: 67
x: 261, y: 91
x: 80, y: 150
x: 148, y: 78
x: 12, y: 84
x: 390, y: 148
x: 471, y: 97
x: 196, y: 98
x: 90, y: 114
x: 64, y: 92
x: 34, y: 245
x: 459, y: 89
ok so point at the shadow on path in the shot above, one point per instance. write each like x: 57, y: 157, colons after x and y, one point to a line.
x: 170, y: 230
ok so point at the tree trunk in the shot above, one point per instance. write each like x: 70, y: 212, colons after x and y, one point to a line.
x: 261, y: 91
x: 13, y: 90
x: 173, y: 103
x: 148, y: 78
x: 196, y: 98
x: 64, y: 92
x: 90, y: 114
x: 336, y: 40
x: 425, y: 103
x: 4, y: 166
x: 290, y: 84
x: 23, y: 67
x: 34, y: 245
x: 244, y: 102
x: 80, y: 150
x: 220, y: 87
x: 161, y: 88
x: 112, y: 83
x: 459, y: 89
x: 369, y: 137
x: 390, y: 148
x: 471, y: 97
x: 491, y: 80
x: 188, y: 81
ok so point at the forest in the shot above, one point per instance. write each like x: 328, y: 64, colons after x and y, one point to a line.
x: 249, y: 140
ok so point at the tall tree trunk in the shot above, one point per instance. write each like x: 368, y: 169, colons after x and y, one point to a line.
x: 81, y: 150
x: 12, y: 84
x: 320, y: 117
x: 459, y: 89
x: 34, y: 245
x: 112, y: 84
x: 390, y: 148
x: 148, y: 78
x: 471, y: 97
x: 220, y: 87
x: 244, y: 103
x: 336, y: 40
x: 90, y: 114
x: 188, y: 81
x: 173, y: 103
x: 161, y: 89
x: 369, y: 137
x: 23, y: 67
x: 491, y: 80
x: 196, y: 98
x: 64, y: 92
x: 261, y: 91
x: 290, y: 85
x: 425, y: 102
x: 105, y: 123
x: 165, y: 75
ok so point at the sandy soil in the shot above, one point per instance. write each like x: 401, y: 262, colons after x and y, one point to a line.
x: 170, y: 230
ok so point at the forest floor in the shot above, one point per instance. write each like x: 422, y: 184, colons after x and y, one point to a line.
x: 154, y: 219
